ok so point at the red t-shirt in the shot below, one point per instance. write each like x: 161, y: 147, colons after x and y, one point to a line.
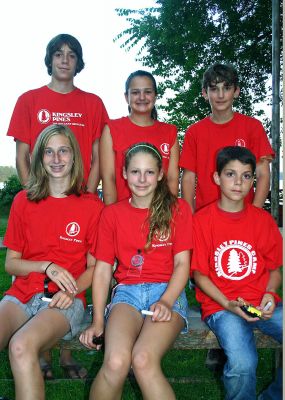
x: 125, y: 133
x: 236, y: 251
x: 122, y: 234
x: 204, y: 139
x: 83, y: 112
x: 61, y: 230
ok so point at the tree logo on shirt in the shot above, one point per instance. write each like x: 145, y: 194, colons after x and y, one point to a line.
x: 164, y: 147
x: 44, y: 116
x: 72, y: 229
x: 240, y: 143
x: 235, y: 260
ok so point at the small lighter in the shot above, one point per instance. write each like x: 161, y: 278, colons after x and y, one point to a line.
x: 251, y: 311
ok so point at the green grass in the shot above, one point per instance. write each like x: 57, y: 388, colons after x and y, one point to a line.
x: 5, y: 279
x: 200, y: 382
x: 3, y: 223
x: 190, y: 364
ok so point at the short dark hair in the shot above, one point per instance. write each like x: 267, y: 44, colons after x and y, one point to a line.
x: 149, y: 76
x: 56, y: 43
x: 217, y: 73
x: 231, y: 153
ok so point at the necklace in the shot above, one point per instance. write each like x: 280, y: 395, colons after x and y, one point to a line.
x: 137, y: 260
x: 135, y: 268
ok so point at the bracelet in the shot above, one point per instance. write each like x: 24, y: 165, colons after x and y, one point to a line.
x: 275, y: 296
x: 48, y: 267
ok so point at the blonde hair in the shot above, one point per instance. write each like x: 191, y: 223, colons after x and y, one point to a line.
x: 163, y: 202
x: 38, y: 183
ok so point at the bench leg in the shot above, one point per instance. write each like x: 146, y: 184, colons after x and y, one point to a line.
x: 278, y: 358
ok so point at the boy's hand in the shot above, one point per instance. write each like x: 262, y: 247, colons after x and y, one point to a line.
x: 235, y: 307
x: 267, y: 306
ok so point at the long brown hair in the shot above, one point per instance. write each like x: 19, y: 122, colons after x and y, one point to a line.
x: 163, y: 201
x: 148, y: 75
x: 38, y: 183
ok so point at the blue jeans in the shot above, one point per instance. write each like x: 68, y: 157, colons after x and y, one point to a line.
x: 236, y: 337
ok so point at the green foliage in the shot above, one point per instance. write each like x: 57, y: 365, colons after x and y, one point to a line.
x: 11, y: 187
x: 179, y: 40
x: 5, y: 279
x: 6, y: 172
x: 3, y: 221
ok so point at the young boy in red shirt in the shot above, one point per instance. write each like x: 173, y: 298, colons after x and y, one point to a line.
x: 60, y: 102
x: 223, y: 127
x: 236, y: 260
x: 203, y: 140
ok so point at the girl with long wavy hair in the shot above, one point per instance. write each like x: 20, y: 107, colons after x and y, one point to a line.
x: 150, y: 236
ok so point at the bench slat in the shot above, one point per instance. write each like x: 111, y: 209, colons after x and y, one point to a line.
x: 199, y: 335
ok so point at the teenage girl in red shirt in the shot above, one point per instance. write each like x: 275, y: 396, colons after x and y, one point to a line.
x: 50, y: 235
x: 150, y: 235
x: 141, y: 125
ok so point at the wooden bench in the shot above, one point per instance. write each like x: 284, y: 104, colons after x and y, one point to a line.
x: 199, y: 336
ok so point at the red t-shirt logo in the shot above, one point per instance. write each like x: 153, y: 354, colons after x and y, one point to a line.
x: 164, y: 147
x: 240, y: 143
x: 44, y: 116
x: 72, y: 229
x: 235, y: 260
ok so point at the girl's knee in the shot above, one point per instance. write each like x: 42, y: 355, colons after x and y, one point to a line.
x: 142, y: 361
x: 117, y: 363
x: 18, y: 348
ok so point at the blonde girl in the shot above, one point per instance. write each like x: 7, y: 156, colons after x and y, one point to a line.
x: 150, y: 235
x: 51, y: 232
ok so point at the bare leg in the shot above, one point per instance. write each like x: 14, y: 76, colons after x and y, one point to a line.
x: 45, y: 363
x: 46, y: 355
x: 14, y: 318
x: 37, y: 335
x: 73, y: 369
x: 154, y: 340
x: 123, y: 327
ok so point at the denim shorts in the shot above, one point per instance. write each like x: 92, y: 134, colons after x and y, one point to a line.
x: 141, y: 296
x: 74, y: 314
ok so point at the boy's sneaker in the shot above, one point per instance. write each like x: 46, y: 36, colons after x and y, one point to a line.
x: 215, y: 360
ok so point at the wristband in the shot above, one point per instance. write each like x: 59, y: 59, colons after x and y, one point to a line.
x: 275, y: 296
x: 48, y: 267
